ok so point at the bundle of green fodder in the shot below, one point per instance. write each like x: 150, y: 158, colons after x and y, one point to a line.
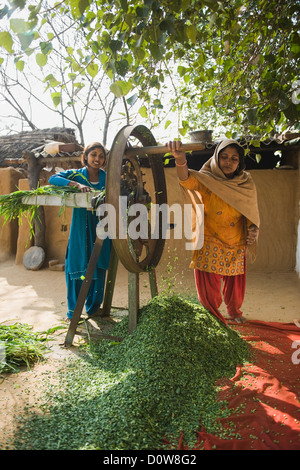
x: 156, y: 383
x: 20, y: 346
x: 13, y: 205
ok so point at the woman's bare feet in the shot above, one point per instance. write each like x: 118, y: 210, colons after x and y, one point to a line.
x: 239, y: 320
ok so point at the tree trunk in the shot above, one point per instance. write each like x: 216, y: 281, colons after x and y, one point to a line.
x: 34, y: 169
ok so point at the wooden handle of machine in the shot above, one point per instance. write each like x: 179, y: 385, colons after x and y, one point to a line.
x: 162, y: 149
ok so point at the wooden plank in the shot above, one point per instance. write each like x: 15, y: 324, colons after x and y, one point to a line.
x: 110, y: 283
x: 133, y: 300
x: 44, y: 160
x: 83, y: 292
x: 153, y: 283
x: 69, y: 200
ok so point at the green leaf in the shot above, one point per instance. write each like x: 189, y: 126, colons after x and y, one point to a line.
x: 26, y: 39
x: 120, y: 88
x: 131, y: 101
x: 295, y: 48
x: 18, y: 25
x: 72, y: 76
x: 103, y: 58
x: 181, y: 70
x: 41, y: 59
x: 139, y: 53
x: 157, y: 104
x: 92, y: 69
x: 115, y: 45
x: 51, y: 80
x: 6, y: 41
x: 20, y: 65
x: 156, y: 51
x: 252, y: 116
x: 46, y: 47
x: 122, y: 67
x: 143, y: 112
x: 56, y: 98
x: 167, y: 25
x: 183, y: 131
x: 78, y: 7
x: 191, y: 32
x: 75, y: 66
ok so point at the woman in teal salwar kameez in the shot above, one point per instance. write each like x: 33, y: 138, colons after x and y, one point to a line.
x: 83, y: 231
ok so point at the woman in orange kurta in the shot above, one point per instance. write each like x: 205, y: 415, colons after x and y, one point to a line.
x: 231, y: 222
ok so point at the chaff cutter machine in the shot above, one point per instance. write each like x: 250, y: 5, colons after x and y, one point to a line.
x: 133, y: 148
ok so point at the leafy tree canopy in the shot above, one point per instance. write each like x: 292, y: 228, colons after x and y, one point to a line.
x: 238, y: 60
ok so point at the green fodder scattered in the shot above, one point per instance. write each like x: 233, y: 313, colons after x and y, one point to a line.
x: 20, y: 346
x: 155, y: 384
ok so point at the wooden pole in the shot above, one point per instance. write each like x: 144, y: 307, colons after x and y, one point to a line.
x: 162, y: 149
x: 35, y: 166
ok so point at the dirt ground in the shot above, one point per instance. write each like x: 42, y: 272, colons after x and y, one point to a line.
x: 38, y: 298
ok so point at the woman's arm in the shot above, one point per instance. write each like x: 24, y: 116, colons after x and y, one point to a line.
x: 62, y: 179
x: 252, y: 234
x: 180, y: 159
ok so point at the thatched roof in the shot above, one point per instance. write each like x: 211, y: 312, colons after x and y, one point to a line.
x: 13, y: 146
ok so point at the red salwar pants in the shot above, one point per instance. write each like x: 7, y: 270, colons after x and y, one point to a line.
x: 209, y: 290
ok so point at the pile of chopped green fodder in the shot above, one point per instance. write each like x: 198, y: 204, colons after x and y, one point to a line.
x: 134, y: 394
x: 20, y: 346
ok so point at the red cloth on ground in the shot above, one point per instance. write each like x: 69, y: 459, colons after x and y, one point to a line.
x: 264, y: 394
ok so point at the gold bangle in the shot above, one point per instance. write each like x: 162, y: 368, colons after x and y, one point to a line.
x: 180, y: 164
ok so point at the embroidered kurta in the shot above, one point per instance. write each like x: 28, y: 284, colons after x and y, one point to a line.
x: 223, y: 250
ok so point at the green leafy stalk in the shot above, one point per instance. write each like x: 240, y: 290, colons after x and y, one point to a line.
x: 20, y: 346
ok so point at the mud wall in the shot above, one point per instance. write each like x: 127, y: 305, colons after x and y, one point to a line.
x: 9, y: 178
x: 278, y: 200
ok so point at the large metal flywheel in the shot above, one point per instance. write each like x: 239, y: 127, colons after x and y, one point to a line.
x: 125, y: 178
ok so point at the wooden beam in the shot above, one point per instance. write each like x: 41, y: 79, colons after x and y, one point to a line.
x: 68, y: 200
x: 162, y: 149
x: 42, y: 160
